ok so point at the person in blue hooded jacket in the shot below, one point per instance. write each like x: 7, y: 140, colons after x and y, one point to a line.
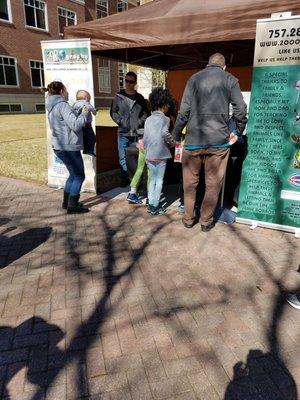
x: 67, y: 142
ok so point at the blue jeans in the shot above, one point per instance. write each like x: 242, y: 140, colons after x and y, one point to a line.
x: 74, y: 164
x: 123, y: 142
x: 157, y: 172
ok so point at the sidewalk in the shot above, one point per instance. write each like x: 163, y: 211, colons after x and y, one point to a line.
x: 117, y: 304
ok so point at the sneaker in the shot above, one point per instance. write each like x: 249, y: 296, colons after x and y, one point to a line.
x: 181, y: 209
x: 160, y: 210
x: 153, y: 210
x: 149, y: 208
x: 293, y: 300
x: 133, y: 198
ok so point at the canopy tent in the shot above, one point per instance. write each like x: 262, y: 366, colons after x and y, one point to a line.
x: 181, y: 34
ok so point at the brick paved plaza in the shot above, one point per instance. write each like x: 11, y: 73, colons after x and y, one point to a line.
x: 117, y: 304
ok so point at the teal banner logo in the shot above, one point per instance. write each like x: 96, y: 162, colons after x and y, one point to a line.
x: 67, y: 56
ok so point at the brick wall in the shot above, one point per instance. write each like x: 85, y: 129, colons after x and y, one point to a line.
x: 23, y: 43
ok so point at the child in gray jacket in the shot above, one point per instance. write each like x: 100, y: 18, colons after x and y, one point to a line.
x: 83, y: 98
x: 157, y: 141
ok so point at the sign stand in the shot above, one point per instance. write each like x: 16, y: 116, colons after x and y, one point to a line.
x: 270, y: 186
x: 70, y: 62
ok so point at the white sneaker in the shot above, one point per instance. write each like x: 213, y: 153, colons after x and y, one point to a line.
x: 293, y: 300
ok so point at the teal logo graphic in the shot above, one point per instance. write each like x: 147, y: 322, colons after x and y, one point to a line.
x: 67, y: 56
x: 295, y: 180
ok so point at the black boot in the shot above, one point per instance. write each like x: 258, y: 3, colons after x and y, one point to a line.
x: 65, y: 200
x: 75, y: 207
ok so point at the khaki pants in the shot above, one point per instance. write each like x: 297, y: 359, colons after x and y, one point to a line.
x: 214, y: 161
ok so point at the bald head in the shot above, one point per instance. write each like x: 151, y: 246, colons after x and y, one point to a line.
x: 217, y: 58
x: 83, y: 95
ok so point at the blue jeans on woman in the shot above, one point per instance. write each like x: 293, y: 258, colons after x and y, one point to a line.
x: 156, y: 170
x: 74, y: 164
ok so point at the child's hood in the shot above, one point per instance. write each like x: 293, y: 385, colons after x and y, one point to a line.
x: 52, y: 100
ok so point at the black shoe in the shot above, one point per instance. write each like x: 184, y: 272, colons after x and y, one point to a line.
x: 74, y: 207
x: 207, y: 228
x: 66, y: 201
x: 188, y: 225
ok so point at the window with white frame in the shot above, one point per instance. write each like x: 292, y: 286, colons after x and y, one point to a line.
x: 37, y: 73
x: 4, y: 108
x: 40, y: 107
x: 65, y: 18
x: 8, y: 71
x: 122, y: 70
x: 101, y: 8
x: 35, y: 13
x: 104, y: 75
x: 122, y: 5
x: 5, y: 11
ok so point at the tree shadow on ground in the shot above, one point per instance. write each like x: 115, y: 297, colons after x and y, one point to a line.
x: 87, y: 333
x: 14, y: 247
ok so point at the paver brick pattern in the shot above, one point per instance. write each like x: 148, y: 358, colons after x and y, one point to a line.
x: 118, y: 304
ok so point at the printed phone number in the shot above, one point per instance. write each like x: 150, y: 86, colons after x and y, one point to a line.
x: 275, y: 33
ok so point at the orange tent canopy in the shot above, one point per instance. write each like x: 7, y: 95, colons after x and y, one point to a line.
x: 181, y: 34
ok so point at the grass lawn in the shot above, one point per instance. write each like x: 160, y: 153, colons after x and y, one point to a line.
x: 23, y: 152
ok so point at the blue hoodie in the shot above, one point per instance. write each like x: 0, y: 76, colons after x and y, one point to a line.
x: 66, y: 126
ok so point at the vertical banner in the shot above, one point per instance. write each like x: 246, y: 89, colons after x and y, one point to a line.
x: 270, y: 186
x: 70, y: 62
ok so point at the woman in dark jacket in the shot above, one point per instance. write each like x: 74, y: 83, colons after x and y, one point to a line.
x: 67, y: 142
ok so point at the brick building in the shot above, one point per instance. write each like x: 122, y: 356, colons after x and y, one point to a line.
x: 23, y: 24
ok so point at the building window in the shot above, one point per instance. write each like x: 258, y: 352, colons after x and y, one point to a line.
x: 5, y: 108
x: 65, y: 18
x: 40, y: 107
x: 35, y: 13
x: 101, y: 8
x: 122, y: 69
x: 37, y: 73
x: 8, y: 71
x: 5, y: 11
x: 122, y: 5
x: 104, y: 75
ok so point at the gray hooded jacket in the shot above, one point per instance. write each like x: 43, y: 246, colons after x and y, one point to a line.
x: 157, y: 138
x: 65, y: 125
x: 205, y: 107
x: 128, y: 113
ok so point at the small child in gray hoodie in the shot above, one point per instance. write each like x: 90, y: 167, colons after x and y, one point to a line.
x: 157, y: 141
x: 83, y: 98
